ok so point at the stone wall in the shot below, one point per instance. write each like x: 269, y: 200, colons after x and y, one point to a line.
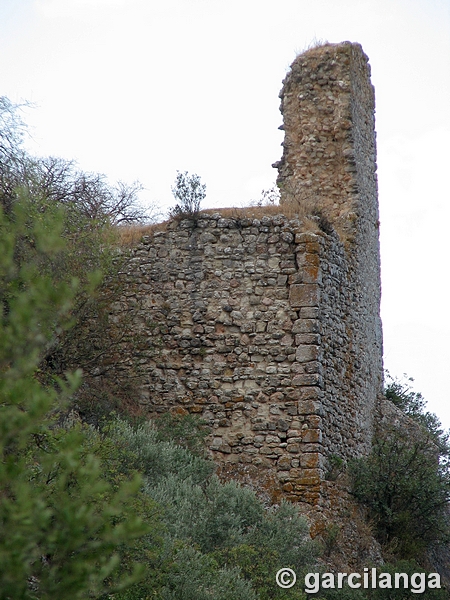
x: 233, y: 336
x: 250, y: 324
x: 267, y: 329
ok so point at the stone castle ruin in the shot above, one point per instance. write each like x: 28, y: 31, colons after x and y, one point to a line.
x: 269, y: 328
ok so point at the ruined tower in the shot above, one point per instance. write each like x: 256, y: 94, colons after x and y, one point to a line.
x: 268, y: 326
x: 329, y: 158
x: 328, y: 168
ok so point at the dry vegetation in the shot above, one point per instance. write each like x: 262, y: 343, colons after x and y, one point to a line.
x: 131, y: 235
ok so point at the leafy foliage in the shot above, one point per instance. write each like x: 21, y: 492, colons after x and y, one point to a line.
x: 407, y: 492
x: 88, y: 211
x: 187, y: 431
x: 189, y: 193
x: 214, y: 533
x: 142, y: 450
x: 405, y: 481
x: 61, y: 523
x: 196, y: 576
x: 280, y: 539
x: 412, y: 403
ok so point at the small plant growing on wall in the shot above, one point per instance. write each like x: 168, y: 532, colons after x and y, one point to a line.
x: 270, y: 197
x: 189, y: 193
x: 336, y: 466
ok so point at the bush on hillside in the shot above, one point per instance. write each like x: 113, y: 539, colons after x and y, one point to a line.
x: 62, y: 524
x: 405, y: 481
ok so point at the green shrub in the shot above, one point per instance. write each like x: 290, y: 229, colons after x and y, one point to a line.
x: 405, y: 481
x: 189, y: 193
x: 142, y: 450
x: 61, y: 523
x: 279, y: 540
x: 196, y: 576
x: 187, y: 431
x: 407, y: 491
x: 413, y: 404
x: 223, y: 529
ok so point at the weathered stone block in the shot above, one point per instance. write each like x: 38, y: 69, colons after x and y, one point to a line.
x: 266, y: 450
x: 307, y: 354
x: 312, y: 435
x: 307, y: 338
x: 308, y: 478
x: 272, y: 439
x: 306, y: 379
x: 310, y: 393
x: 312, y: 448
x: 304, y: 295
x: 292, y: 433
x: 310, y: 461
x: 293, y: 448
x: 309, y: 407
x: 315, y: 421
x: 306, y: 237
x: 306, y: 326
x: 284, y: 462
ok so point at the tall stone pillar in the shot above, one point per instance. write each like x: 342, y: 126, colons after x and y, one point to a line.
x: 329, y: 159
x: 328, y: 169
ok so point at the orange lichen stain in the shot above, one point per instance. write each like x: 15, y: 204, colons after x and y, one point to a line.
x: 179, y: 410
x: 312, y: 248
x: 318, y: 527
x: 312, y: 271
x: 308, y: 480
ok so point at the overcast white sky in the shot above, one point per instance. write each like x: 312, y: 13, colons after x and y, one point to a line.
x: 138, y: 89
